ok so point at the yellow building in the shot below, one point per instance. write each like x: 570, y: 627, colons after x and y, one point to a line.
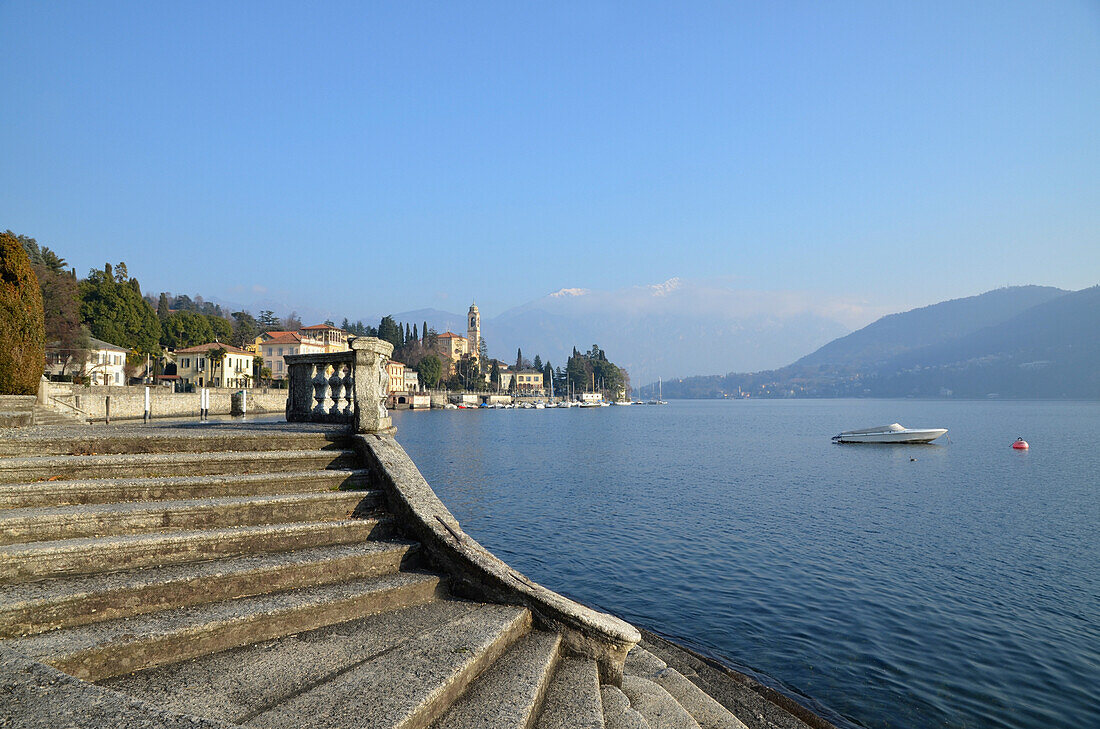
x: 276, y: 345
x: 333, y: 339
x: 196, y: 367
x: 396, y: 371
x: 529, y: 382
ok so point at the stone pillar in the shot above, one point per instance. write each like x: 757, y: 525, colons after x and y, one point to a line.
x: 371, y: 384
x: 299, y: 399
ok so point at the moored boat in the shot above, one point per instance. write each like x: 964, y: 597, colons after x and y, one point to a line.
x: 893, y: 433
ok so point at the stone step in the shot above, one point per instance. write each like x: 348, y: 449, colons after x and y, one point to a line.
x: 23, y: 470
x: 408, y: 687
x: 63, y: 602
x: 102, y: 650
x: 36, y: 560
x: 573, y: 699
x: 72, y: 522
x: 111, y: 490
x: 656, y: 705
x: 708, y: 713
x: 242, y: 683
x: 197, y: 438
x: 617, y: 713
x: 510, y: 693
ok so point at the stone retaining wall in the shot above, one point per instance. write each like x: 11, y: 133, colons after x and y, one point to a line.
x: 129, y: 402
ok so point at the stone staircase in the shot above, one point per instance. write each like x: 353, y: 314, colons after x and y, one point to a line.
x: 256, y: 578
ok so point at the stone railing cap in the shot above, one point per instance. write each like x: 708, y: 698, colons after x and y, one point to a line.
x: 372, y: 344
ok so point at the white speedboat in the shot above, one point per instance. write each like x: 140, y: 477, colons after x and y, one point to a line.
x: 893, y: 433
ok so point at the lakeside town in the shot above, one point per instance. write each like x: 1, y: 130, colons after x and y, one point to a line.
x: 101, y: 331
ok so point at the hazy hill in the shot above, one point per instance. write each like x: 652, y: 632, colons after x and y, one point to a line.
x: 1031, y: 341
x: 893, y: 335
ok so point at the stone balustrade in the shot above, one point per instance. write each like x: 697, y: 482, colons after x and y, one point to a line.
x: 341, y: 387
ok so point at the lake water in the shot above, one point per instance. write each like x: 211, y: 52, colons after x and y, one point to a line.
x: 960, y: 589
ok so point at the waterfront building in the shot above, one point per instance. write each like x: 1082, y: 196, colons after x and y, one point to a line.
x: 333, y: 339
x: 529, y: 382
x: 103, y: 362
x: 198, y: 367
x: 274, y: 346
x: 396, y: 371
x: 412, y: 380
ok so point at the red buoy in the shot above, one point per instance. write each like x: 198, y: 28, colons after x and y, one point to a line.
x: 1020, y: 444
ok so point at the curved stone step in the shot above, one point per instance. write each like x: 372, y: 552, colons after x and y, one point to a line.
x: 72, y: 522
x: 32, y: 560
x: 36, y: 607
x: 408, y: 687
x: 22, y: 470
x: 656, y: 705
x: 573, y: 699
x: 71, y: 439
x: 617, y: 713
x: 707, y: 712
x: 112, y: 490
x: 245, y: 682
x: 509, y: 694
x: 101, y: 650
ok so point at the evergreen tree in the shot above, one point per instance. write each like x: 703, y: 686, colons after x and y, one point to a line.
x: 494, y: 375
x: 117, y: 313
x: 416, y: 337
x: 519, y: 359
x: 424, y: 333
x: 22, y: 321
x: 538, y: 363
x: 346, y: 326
x: 245, y: 329
x: 408, y: 334
x: 268, y: 321
x: 162, y: 306
x: 429, y: 370
x: 388, y: 331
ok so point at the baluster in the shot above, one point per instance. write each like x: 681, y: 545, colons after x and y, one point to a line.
x: 320, y: 392
x: 349, y: 391
x: 336, y: 386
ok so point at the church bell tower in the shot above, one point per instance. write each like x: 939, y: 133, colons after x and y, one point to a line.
x: 473, y: 331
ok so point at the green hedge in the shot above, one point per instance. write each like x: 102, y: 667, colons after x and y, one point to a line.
x: 22, y: 321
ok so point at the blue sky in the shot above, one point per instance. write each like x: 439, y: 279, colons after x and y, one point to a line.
x: 367, y: 158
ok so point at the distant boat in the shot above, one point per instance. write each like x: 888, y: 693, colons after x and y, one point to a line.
x: 893, y: 433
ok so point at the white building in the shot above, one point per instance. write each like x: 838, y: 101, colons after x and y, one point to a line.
x: 103, y: 363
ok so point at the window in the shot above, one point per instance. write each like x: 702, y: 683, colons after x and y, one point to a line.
x: 280, y: 351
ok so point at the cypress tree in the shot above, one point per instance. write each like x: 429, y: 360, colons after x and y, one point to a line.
x: 22, y: 321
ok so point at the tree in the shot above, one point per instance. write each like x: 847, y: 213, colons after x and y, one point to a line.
x: 424, y: 333
x: 330, y: 322
x: 245, y: 328
x: 416, y: 337
x: 467, y: 375
x: 22, y: 321
x: 388, y: 331
x: 216, y: 355
x: 117, y: 313
x: 494, y: 375
x: 292, y: 323
x: 547, y: 375
x: 429, y: 370
x: 186, y: 329
x: 538, y: 363
x: 268, y: 321
x: 162, y: 306
x: 482, y: 353
x: 60, y: 303
x: 408, y: 334
x: 221, y: 329
x: 519, y: 360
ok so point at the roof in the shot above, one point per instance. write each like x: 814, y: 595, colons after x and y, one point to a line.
x: 100, y: 344
x: 283, y: 338
x: 395, y: 362
x: 322, y: 326
x: 229, y: 349
x: 450, y: 335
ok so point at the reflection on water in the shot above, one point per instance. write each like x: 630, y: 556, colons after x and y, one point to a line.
x: 959, y: 589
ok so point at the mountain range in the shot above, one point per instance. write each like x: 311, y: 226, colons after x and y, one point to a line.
x: 1024, y: 342
x: 673, y: 328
